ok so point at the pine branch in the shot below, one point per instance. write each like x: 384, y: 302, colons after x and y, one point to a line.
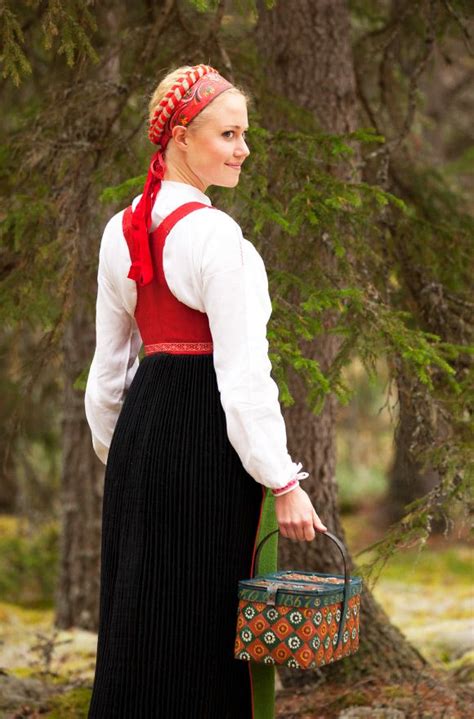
x: 15, y: 63
x: 461, y: 22
x: 69, y: 22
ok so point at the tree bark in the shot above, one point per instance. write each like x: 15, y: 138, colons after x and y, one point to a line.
x: 407, y: 479
x: 81, y: 484
x: 306, y: 48
x: 82, y: 474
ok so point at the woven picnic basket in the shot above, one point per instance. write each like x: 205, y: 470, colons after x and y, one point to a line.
x: 298, y: 619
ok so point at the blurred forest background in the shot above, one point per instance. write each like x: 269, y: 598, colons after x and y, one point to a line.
x: 359, y: 195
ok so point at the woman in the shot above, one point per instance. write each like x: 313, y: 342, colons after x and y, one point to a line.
x: 193, y: 435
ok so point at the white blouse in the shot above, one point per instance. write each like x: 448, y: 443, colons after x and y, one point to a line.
x: 210, y: 267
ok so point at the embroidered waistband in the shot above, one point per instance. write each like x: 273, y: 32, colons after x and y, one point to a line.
x: 180, y: 348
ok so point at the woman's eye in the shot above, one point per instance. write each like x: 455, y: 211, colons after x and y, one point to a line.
x: 232, y: 132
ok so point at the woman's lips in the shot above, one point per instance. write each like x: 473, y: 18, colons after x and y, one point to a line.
x: 235, y: 167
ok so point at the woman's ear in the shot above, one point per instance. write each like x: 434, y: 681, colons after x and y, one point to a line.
x: 179, y: 136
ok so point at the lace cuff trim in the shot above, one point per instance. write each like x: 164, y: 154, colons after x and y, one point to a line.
x: 293, y: 481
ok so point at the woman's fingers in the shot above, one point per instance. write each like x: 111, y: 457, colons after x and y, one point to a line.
x: 309, y: 532
x: 290, y: 532
x: 297, y: 517
x: 302, y: 531
x: 318, y: 523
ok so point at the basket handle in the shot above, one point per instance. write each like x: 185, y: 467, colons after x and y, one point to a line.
x: 342, y: 549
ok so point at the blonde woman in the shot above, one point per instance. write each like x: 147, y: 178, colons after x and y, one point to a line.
x: 192, y: 436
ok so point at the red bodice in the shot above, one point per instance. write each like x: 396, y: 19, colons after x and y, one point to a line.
x: 166, y: 324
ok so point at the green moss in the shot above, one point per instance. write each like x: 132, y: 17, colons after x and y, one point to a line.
x: 73, y: 704
x: 444, y: 656
x: 430, y: 567
x: 393, y: 691
x: 353, y: 699
x: 35, y: 673
x: 31, y: 616
x: 28, y: 564
x: 463, y: 667
x: 24, y: 672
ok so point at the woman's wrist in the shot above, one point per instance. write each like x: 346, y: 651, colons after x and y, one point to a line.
x: 292, y: 484
x: 282, y: 491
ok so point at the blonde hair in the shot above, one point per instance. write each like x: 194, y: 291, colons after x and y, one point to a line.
x: 167, y: 83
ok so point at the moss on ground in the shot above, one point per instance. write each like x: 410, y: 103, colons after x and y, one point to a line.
x: 73, y: 704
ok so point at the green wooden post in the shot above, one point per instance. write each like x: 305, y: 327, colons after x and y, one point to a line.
x: 263, y: 675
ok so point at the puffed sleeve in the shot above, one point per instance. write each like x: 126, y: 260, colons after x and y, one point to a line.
x: 236, y: 300
x: 118, y: 340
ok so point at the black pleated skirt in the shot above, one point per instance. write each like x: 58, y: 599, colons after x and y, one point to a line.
x: 179, y: 522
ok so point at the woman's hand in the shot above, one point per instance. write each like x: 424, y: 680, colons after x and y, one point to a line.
x: 296, y: 516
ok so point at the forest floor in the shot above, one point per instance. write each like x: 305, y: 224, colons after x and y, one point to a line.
x: 47, y: 673
x: 429, y: 596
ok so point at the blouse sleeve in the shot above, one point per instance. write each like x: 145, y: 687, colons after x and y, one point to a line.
x: 236, y: 300
x: 118, y: 340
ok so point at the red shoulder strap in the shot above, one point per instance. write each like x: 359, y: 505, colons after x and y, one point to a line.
x: 165, y: 226
x: 127, y: 228
x: 169, y: 222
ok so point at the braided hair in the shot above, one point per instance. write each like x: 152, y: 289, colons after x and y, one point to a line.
x: 169, y: 93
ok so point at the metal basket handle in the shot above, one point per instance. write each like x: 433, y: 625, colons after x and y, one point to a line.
x: 342, y: 549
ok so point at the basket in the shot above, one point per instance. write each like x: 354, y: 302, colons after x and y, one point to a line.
x: 297, y: 619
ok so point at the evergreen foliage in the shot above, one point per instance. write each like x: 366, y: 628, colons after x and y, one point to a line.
x: 66, y: 27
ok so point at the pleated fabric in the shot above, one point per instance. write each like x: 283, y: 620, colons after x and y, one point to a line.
x: 180, y: 518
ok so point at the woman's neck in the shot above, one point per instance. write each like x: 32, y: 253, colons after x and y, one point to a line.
x: 176, y: 174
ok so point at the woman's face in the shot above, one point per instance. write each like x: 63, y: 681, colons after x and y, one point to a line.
x: 215, y: 149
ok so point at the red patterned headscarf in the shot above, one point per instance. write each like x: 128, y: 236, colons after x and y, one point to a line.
x: 190, y: 94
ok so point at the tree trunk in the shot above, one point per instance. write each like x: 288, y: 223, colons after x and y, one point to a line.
x: 8, y: 480
x: 77, y: 597
x: 307, y: 52
x: 81, y: 483
x: 407, y: 479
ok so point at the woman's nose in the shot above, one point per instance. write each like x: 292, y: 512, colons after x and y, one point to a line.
x: 242, y: 149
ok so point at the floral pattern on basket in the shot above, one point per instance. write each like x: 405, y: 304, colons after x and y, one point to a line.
x: 297, y: 637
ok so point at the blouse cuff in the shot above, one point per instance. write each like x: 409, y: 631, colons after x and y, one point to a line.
x: 292, y: 484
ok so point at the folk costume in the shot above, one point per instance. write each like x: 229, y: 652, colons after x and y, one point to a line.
x: 193, y: 440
